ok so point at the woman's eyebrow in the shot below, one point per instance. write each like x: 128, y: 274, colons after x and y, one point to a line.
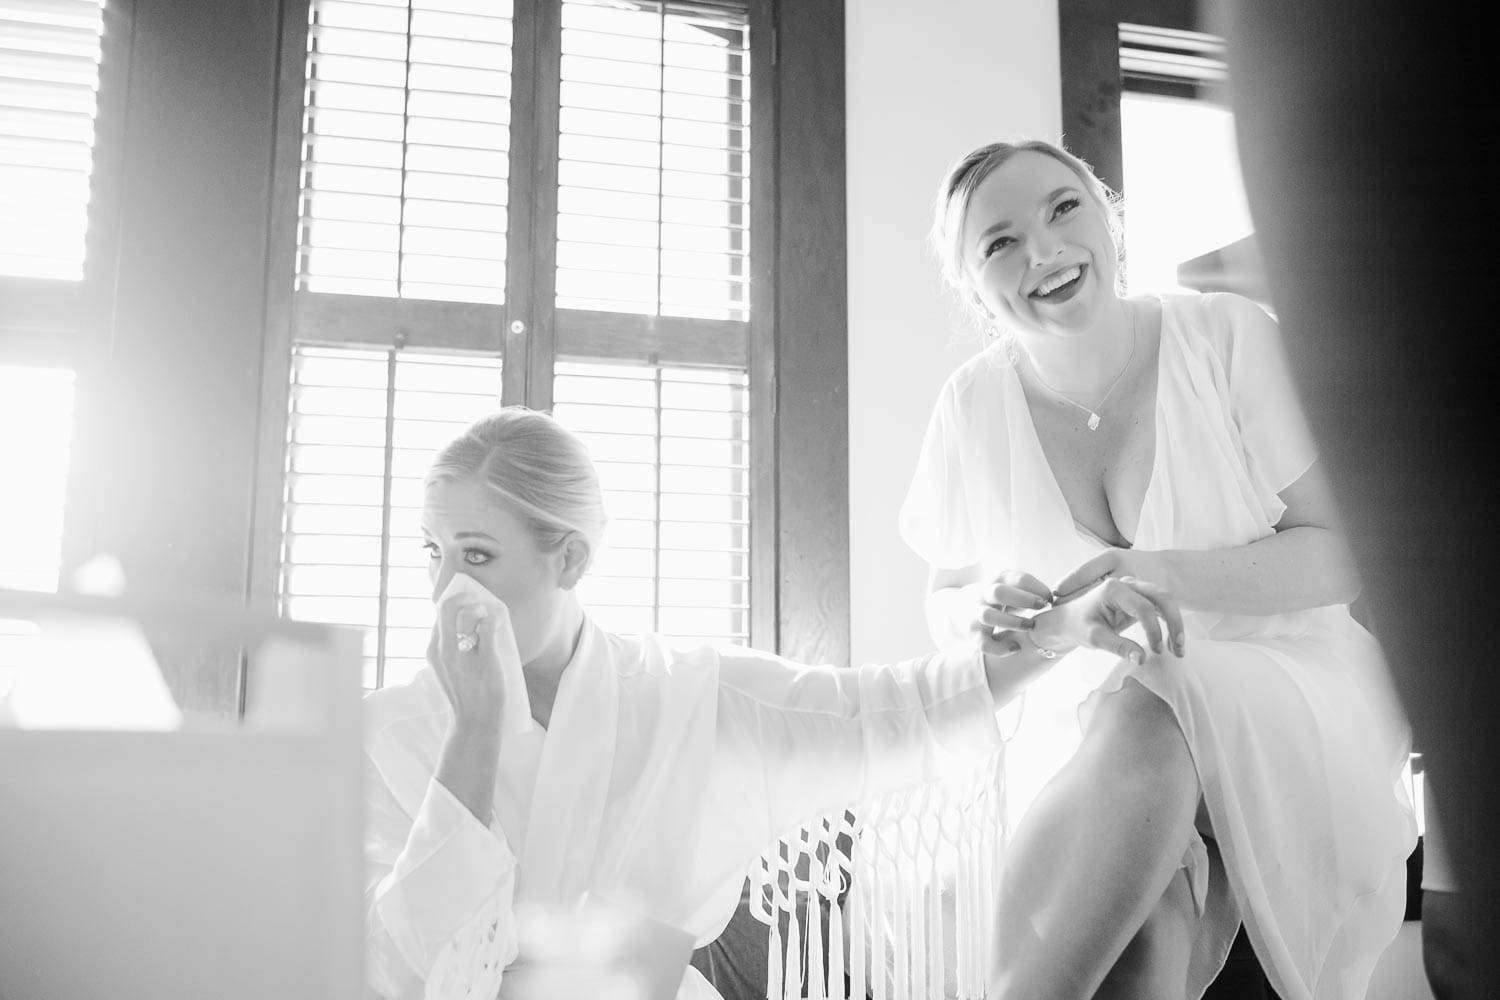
x: 1006, y: 223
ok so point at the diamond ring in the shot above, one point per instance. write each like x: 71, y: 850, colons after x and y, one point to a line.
x: 468, y: 641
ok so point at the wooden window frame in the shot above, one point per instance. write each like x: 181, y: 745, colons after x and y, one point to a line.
x: 1089, y: 46
x: 795, y: 353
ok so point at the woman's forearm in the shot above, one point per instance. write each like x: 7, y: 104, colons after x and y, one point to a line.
x: 468, y: 767
x: 1295, y: 569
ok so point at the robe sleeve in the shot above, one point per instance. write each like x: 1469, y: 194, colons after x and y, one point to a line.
x: 1264, y: 402
x: 934, y: 519
x: 819, y: 738
x: 438, y: 894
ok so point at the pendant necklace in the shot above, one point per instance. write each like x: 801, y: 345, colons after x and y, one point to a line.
x: 1093, y: 411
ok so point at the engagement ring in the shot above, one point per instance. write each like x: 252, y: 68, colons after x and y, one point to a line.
x: 468, y: 641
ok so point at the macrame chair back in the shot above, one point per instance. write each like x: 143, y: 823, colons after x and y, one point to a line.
x: 899, y: 891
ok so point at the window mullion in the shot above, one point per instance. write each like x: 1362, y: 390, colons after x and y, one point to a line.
x: 761, y: 349
x: 531, y: 239
x: 385, y: 512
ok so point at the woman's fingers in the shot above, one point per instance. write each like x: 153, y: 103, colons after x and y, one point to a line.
x: 1105, y: 638
x: 1087, y: 575
x: 1001, y: 595
x: 469, y: 631
x: 992, y: 617
x: 996, y: 643
x: 1126, y: 603
x: 1166, y: 606
x: 1015, y: 589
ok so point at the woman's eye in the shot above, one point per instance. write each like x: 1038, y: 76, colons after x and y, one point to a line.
x: 998, y: 244
x: 431, y: 549
x: 1065, y: 206
x: 474, y: 557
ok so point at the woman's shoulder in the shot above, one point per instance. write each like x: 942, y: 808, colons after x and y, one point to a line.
x: 978, y: 380
x: 1215, y: 320
x: 652, y: 654
x: 1214, y: 309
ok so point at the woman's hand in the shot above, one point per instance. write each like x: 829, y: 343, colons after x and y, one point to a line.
x: 1095, y: 617
x: 996, y: 622
x: 1142, y: 565
x: 472, y: 642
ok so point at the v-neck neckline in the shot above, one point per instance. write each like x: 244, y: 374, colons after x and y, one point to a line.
x: 1082, y: 530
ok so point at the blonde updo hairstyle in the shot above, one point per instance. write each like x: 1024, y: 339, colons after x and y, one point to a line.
x: 957, y: 192
x: 535, y: 468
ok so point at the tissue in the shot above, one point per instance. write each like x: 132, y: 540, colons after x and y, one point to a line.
x: 496, y: 631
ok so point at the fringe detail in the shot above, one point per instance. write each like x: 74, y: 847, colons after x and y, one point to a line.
x: 877, y: 877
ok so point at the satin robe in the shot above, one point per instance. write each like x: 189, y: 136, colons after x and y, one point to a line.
x: 665, y: 771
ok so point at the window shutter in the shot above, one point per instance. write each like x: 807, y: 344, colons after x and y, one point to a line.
x: 406, y: 149
x: 364, y: 426
x: 49, y: 80
x: 405, y: 184
x: 653, y: 171
x: 48, y: 95
x: 1171, y: 61
x: 670, y: 446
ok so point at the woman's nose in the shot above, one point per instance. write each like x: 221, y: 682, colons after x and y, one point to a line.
x: 1044, y: 249
x: 441, y: 577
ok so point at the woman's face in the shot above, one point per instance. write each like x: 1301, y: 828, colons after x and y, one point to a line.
x: 466, y: 530
x: 1036, y: 246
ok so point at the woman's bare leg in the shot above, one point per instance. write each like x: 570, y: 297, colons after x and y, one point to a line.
x: 1096, y: 853
x: 1154, y: 966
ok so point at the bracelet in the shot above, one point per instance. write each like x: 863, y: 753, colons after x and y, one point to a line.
x: 1047, y: 654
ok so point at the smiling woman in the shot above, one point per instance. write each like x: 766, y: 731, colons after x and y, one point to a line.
x: 1125, y: 490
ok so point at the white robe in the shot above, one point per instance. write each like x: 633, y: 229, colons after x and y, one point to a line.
x: 1297, y: 737
x: 665, y: 772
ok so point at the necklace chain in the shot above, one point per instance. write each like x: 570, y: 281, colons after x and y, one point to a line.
x: 1093, y: 411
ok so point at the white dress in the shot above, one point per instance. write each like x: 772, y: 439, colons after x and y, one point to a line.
x: 664, y: 773
x: 1290, y: 719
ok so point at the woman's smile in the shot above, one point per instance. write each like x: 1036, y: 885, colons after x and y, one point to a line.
x: 1061, y: 285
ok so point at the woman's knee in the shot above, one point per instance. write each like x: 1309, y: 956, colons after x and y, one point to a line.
x: 1140, y: 735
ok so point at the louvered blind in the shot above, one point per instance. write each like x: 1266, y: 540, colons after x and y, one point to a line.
x: 49, y: 78
x: 364, y: 427
x: 653, y: 171
x: 406, y: 149
x: 670, y: 446
x: 1170, y: 55
x: 404, y: 194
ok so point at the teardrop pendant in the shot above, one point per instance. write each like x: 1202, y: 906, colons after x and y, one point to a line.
x: 1093, y: 420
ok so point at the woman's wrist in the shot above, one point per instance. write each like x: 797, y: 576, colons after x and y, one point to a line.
x: 1047, y: 636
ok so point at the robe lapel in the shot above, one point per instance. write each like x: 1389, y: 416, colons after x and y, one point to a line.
x: 572, y: 780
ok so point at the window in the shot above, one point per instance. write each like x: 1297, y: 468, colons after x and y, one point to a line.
x: 672, y: 451
x: 48, y: 99
x: 1181, y: 168
x: 363, y: 427
x: 48, y: 94
x: 406, y: 143
x: 563, y: 187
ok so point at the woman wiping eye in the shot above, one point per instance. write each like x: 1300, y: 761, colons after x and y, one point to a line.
x: 540, y: 760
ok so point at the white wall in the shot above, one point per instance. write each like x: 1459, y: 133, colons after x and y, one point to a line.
x: 926, y: 83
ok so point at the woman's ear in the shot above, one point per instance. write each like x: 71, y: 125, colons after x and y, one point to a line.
x: 576, y: 550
